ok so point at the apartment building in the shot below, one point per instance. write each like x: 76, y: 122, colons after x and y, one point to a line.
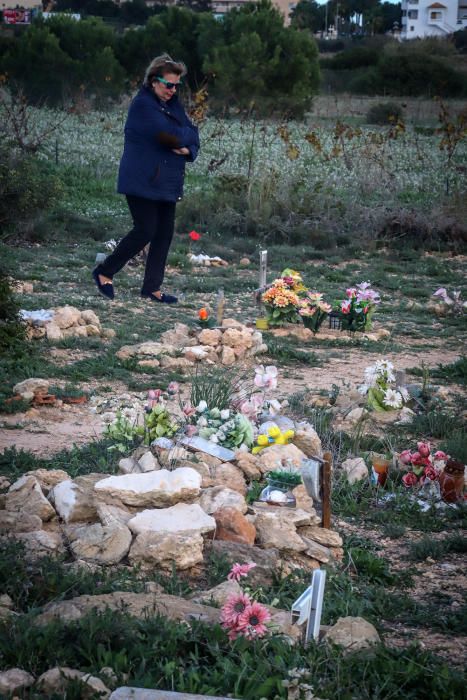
x: 422, y: 18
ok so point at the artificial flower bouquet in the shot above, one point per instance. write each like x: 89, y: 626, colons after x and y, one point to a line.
x: 356, y: 311
x: 380, y: 387
x: 281, y: 302
x: 224, y: 427
x: 313, y: 310
x: 242, y: 616
x: 421, y: 465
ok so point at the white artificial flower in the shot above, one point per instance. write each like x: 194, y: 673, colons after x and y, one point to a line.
x: 202, y: 406
x: 371, y: 375
x: 404, y: 393
x: 221, y: 435
x: 274, y: 407
x: 214, y: 438
x: 225, y: 414
x: 363, y: 389
x: 202, y: 422
x: 392, y: 398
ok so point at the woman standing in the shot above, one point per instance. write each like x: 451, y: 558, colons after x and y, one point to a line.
x: 159, y: 139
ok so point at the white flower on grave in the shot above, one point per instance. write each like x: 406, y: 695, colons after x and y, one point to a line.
x: 202, y: 422
x: 274, y: 407
x: 370, y: 376
x: 214, y: 438
x: 363, y: 389
x: 384, y: 368
x: 221, y: 435
x: 225, y: 414
x: 202, y: 406
x: 393, y: 398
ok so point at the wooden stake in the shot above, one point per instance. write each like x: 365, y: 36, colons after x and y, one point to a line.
x: 326, y: 489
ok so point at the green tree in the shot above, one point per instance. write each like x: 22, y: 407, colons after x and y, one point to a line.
x: 308, y: 14
x: 37, y: 64
x: 257, y: 59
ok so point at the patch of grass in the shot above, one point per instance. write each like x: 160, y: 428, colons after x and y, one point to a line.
x: 436, y: 549
x: 455, y: 445
x: 455, y: 373
x: 284, y: 351
x: 434, y: 423
x: 393, y: 530
x: 155, y: 652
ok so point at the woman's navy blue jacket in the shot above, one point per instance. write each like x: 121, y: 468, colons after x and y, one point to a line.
x: 149, y: 168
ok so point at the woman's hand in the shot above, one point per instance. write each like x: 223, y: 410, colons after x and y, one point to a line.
x: 183, y: 151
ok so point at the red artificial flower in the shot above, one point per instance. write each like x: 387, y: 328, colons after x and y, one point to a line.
x: 194, y: 235
x: 409, y: 479
x: 431, y: 473
x: 251, y: 623
x: 424, y: 448
x: 203, y: 314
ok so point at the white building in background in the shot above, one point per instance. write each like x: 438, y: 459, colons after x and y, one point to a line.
x: 421, y: 18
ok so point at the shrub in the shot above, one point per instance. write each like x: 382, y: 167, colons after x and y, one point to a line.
x: 384, y: 113
x: 28, y: 187
x: 12, y: 331
x: 355, y: 57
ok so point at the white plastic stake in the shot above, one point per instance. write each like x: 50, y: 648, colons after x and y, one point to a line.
x: 308, y: 607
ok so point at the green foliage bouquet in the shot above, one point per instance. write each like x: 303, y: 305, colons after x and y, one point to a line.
x: 313, y: 310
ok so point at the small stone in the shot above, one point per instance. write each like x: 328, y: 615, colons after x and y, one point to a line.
x: 6, y: 601
x: 244, y: 262
x: 66, y: 316
x: 128, y: 465
x: 352, y: 633
x: 100, y: 544
x: 219, y: 594
x: 90, y: 318
x: 317, y: 551
x: 210, y: 336
x: 113, y: 515
x: 148, y: 463
x: 55, y: 682
x: 37, y: 386
x: 149, y: 363
x: 92, y: 330
x: 157, y: 488
x: 275, y: 456
x: 233, y: 526
x: 19, y: 521
x: 248, y: 463
x: 308, y: 441
x: 53, y: 332
x: 26, y: 494
x: 228, y: 356
x: 328, y: 538
x: 151, y: 550
x: 108, y: 333
x: 355, y: 469
x: 14, y: 680
x: 40, y: 543
x: 216, y: 497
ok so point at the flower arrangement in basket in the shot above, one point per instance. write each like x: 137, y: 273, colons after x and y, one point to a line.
x: 281, y: 302
x: 357, y: 310
x: 380, y: 387
x: 313, y: 310
x: 421, y: 465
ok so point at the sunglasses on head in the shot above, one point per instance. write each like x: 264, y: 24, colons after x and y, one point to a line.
x: 168, y: 84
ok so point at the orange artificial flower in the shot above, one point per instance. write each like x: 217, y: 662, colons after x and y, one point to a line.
x: 203, y: 314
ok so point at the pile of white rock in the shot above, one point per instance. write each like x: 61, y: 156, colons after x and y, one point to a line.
x: 63, y: 322
x: 156, y: 518
x: 183, y: 346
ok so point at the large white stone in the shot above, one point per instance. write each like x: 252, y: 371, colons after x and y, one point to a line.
x: 74, y: 500
x: 32, y: 385
x: 152, y: 550
x: 100, y: 544
x: 159, y: 488
x: 179, y: 518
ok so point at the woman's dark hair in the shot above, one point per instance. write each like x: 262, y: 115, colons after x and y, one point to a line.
x: 160, y: 66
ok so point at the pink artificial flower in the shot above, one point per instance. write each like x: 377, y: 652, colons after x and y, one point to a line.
x: 233, y: 608
x: 191, y: 430
x: 240, y: 570
x: 365, y: 309
x: 441, y: 292
x: 351, y: 292
x: 441, y: 456
x: 345, y: 307
x: 288, y: 281
x: 409, y: 479
x: 188, y: 410
x: 266, y: 377
x: 431, y: 473
x: 405, y: 457
x: 416, y: 458
x: 154, y: 394
x: 251, y: 623
x: 424, y: 448
x: 173, y: 388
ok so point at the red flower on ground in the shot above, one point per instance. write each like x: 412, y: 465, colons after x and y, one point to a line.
x: 203, y: 314
x: 194, y: 235
x: 251, y: 623
x: 431, y: 473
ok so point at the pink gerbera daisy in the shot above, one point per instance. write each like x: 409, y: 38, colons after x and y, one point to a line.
x: 240, y: 570
x: 251, y: 621
x: 233, y: 608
